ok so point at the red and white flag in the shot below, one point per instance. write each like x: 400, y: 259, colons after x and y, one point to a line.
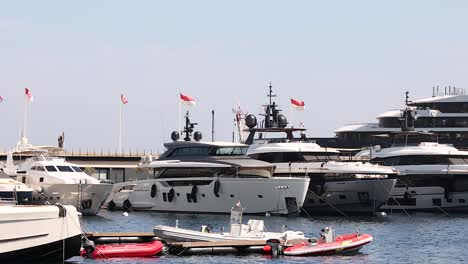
x: 1, y: 98
x: 298, y: 105
x: 187, y: 100
x: 123, y: 99
x: 28, y: 94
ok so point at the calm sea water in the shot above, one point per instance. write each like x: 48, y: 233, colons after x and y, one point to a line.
x: 398, y: 238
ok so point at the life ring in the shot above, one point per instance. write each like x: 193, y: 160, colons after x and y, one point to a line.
x: 111, y: 206
x: 193, y: 194
x: 127, y: 205
x: 216, y: 188
x: 170, y: 195
x: 153, y: 190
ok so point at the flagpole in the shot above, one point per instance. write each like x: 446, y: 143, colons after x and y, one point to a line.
x: 180, y: 110
x: 120, y: 124
x: 25, y: 116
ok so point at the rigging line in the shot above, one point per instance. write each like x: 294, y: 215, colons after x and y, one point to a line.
x: 345, y: 215
x: 436, y: 206
x: 395, y: 199
x: 83, y: 236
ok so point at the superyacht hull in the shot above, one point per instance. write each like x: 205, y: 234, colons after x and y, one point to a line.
x: 427, y: 199
x: 364, y: 196
x: 277, y: 196
x: 87, y: 198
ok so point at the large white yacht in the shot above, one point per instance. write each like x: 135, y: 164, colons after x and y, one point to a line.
x: 47, y: 233
x: 335, y: 185
x: 12, y: 191
x: 445, y: 114
x: 208, y: 177
x: 54, y: 180
x: 432, y: 176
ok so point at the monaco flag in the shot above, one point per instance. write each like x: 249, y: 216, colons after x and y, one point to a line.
x: 298, y: 105
x: 187, y: 100
x: 123, y: 99
x: 28, y: 94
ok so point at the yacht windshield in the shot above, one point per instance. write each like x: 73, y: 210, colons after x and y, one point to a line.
x: 230, y: 151
x: 191, y: 151
x: 51, y: 168
x: 64, y: 169
x: 76, y: 169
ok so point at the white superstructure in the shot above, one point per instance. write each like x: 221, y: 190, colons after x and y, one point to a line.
x: 432, y: 176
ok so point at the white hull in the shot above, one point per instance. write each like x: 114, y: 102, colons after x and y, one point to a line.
x: 359, y: 196
x: 257, y: 195
x: 87, y: 198
x: 169, y: 233
x: 426, y: 198
x: 34, y: 232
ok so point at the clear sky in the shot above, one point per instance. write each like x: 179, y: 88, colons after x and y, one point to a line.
x: 348, y: 60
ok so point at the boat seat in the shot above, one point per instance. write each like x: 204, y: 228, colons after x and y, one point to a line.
x: 256, y: 225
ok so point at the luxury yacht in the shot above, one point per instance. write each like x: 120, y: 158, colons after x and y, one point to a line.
x: 432, y: 176
x: 335, y: 186
x: 208, y: 177
x: 445, y: 114
x: 13, y: 192
x: 54, y: 180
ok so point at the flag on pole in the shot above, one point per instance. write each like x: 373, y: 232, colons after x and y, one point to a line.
x: 298, y: 105
x: 1, y: 98
x: 123, y: 99
x: 187, y: 100
x: 28, y: 94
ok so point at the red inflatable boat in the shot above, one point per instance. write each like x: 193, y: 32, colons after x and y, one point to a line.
x: 136, y: 250
x: 343, y: 244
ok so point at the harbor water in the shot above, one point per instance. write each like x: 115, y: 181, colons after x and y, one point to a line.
x: 398, y: 238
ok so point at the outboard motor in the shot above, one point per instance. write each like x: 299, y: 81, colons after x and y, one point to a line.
x: 328, y: 235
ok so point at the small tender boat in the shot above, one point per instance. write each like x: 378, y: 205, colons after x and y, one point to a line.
x: 254, y: 230
x: 134, y: 250
x: 328, y: 244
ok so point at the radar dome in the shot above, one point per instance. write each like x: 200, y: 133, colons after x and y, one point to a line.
x: 251, y: 121
x: 175, y: 136
x: 282, y: 121
x: 197, y: 136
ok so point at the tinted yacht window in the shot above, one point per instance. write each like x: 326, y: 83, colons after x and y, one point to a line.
x: 64, y: 169
x: 76, y: 169
x: 195, y: 151
x: 230, y: 151
x: 51, y: 168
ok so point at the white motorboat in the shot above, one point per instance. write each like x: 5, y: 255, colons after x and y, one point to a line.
x: 47, y: 232
x: 55, y: 180
x: 208, y: 177
x: 254, y: 230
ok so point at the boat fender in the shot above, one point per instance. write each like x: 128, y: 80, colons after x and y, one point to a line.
x: 62, y: 210
x: 170, y: 195
x: 127, y: 205
x: 88, y: 248
x: 153, y: 190
x: 216, y: 188
x: 111, y: 206
x: 193, y: 194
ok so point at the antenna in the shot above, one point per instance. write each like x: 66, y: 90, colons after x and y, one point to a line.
x: 212, y: 125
